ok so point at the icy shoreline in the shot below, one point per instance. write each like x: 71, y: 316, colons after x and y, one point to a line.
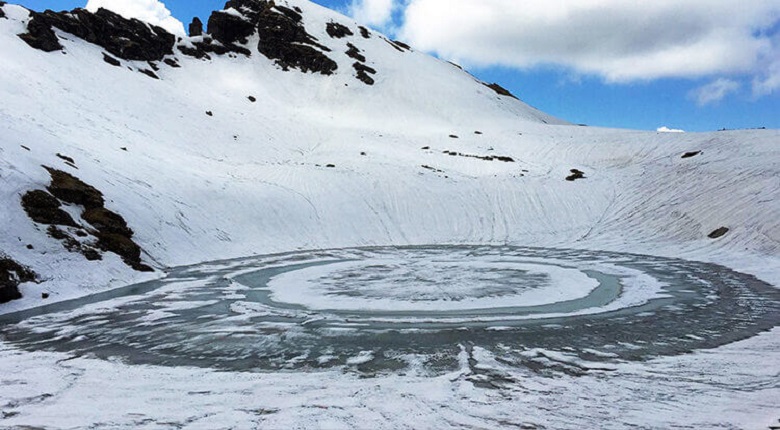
x: 43, y: 389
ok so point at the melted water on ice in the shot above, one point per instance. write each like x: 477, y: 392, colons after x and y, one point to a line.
x: 385, y: 309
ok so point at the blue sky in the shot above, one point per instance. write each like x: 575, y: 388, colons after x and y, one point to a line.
x: 695, y: 66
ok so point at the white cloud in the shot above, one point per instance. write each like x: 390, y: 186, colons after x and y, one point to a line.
x: 151, y: 11
x: 769, y: 81
x: 621, y: 41
x: 714, y: 92
x: 669, y: 130
x: 372, y: 12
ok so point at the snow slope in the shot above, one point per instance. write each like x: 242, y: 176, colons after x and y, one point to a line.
x: 252, y: 177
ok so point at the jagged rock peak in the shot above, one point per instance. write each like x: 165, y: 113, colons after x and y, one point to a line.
x: 279, y: 30
x: 282, y: 36
x: 196, y: 27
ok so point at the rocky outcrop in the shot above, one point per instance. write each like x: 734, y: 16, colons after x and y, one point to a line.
x: 575, y: 174
x: 503, y: 158
x: 11, y: 275
x: 44, y: 208
x: 104, y: 229
x: 202, y: 49
x: 402, y: 45
x: 500, y: 90
x: 111, y: 60
x: 196, y: 27
x: 337, y: 31
x: 284, y: 39
x: 230, y: 29
x: 282, y: 35
x: 2, y: 12
x: 354, y: 53
x: 128, y: 39
x: 40, y: 35
x: 364, y: 72
x: 68, y: 188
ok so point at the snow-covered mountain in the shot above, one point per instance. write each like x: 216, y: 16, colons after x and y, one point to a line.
x: 288, y: 126
x: 127, y: 152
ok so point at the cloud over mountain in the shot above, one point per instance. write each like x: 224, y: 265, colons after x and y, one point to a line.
x: 151, y: 11
x: 617, y: 40
x: 372, y: 12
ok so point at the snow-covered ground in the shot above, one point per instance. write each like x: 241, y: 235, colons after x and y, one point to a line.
x: 733, y: 387
x: 253, y: 179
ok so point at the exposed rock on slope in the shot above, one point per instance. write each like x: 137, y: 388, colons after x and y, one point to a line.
x: 500, y: 90
x: 44, y: 208
x: 104, y: 229
x: 284, y: 39
x: 196, y: 27
x: 11, y: 275
x: 338, y: 31
x: 280, y: 32
x: 129, y: 39
x: 282, y: 36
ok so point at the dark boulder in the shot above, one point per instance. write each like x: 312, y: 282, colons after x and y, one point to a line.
x: 354, y: 53
x: 720, y: 232
x: 363, y: 73
x: 9, y: 292
x: 364, y: 32
x: 691, y: 154
x: 68, y: 188
x: 44, y: 208
x: 196, y: 27
x: 128, y: 39
x: 402, y: 45
x: 111, y: 60
x: 575, y: 174
x: 149, y: 73
x: 396, y: 47
x: 11, y: 275
x: 338, y: 31
x: 2, y: 12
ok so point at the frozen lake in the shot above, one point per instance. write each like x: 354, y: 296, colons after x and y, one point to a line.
x: 385, y: 310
